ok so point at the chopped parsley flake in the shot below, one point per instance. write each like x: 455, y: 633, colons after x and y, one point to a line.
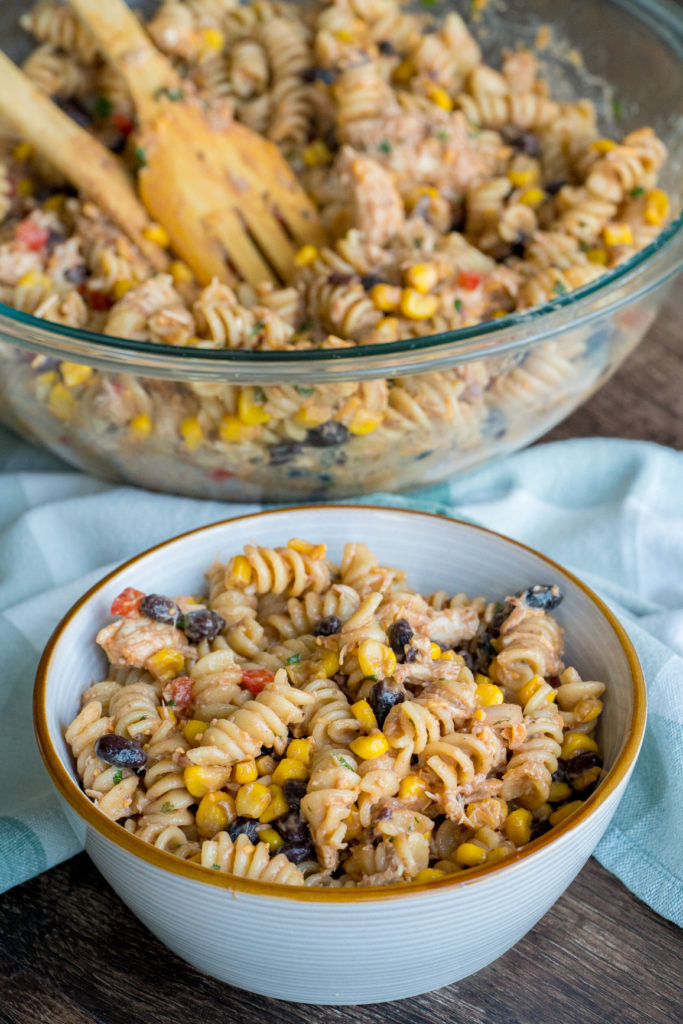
x: 258, y: 326
x: 637, y: 192
x: 373, y: 678
x: 618, y: 110
x: 141, y: 718
x: 458, y: 305
x: 118, y: 775
x: 171, y: 703
x: 166, y: 807
x: 385, y: 146
x: 417, y: 242
x: 216, y: 867
x: 346, y: 764
x: 304, y: 391
x: 560, y: 288
x: 140, y: 157
x: 294, y: 660
x: 173, y: 94
x: 305, y: 325
x: 259, y: 395
x: 442, y: 136
x: 103, y: 107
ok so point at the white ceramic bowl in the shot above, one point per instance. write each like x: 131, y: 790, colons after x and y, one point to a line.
x: 368, y: 944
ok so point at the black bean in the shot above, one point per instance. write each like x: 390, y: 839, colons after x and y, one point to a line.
x: 542, y: 595
x: 244, y: 826
x: 370, y: 280
x: 279, y: 454
x: 581, y: 762
x: 74, y: 110
x: 327, y: 435
x: 54, y: 238
x: 554, y: 681
x: 400, y: 634
x: 204, y: 624
x: 539, y: 826
x: 77, y: 274
x: 484, y: 653
x: 560, y: 775
x: 297, y: 851
x: 383, y: 813
x: 468, y: 658
x: 327, y: 626
x: 121, y: 752
x: 383, y: 697
x: 293, y: 829
x: 500, y: 615
x: 294, y: 790
x: 336, y: 277
x: 160, y: 608
x: 411, y: 655
x: 387, y: 48
x: 553, y: 187
x: 523, y: 142
x: 318, y: 75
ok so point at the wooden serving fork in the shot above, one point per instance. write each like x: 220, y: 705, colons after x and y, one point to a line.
x: 78, y: 155
x: 224, y: 194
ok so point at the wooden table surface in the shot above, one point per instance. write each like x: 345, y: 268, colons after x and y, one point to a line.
x: 71, y: 953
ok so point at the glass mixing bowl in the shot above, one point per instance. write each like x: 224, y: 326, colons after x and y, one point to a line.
x: 148, y: 414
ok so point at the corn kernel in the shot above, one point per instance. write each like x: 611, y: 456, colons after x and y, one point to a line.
x: 25, y: 187
x: 140, y: 426
x: 370, y: 746
x: 594, y: 711
x: 597, y: 256
x: 61, y: 402
x: 22, y: 151
x: 439, y: 96
x: 429, y: 875
x: 231, y: 428
x: 353, y: 825
x: 434, y: 650
x: 251, y: 800
x: 120, y: 289
x: 364, y: 714
x: 192, y: 432
x: 479, y: 715
x: 180, y: 272
x: 74, y: 374
x: 289, y: 768
x: 559, y: 791
x: 215, y: 812
x: 422, y: 276
x: 245, y: 771
x: 385, y: 297
x: 416, y: 306
x: 167, y: 714
x: 316, y: 154
x: 202, y: 779
x: 469, y: 855
x: 532, y: 197
x: 194, y: 729
x: 55, y: 202
x: 493, y: 856
x: 448, y: 656
x: 403, y: 72
x: 564, y: 811
x: 330, y: 662
x: 240, y: 571
x: 521, y: 178
x: 376, y: 659
x: 387, y: 325
x: 617, y: 234
x: 310, y: 417
x: 157, y: 234
x: 343, y: 35
x: 575, y: 742
x: 306, y: 255
x: 277, y: 804
x: 34, y: 279
x: 166, y: 664
x: 365, y: 421
x: 300, y: 750
x: 656, y: 207
x: 213, y: 39
x: 518, y: 826
x: 306, y: 547
x: 530, y: 688
x: 411, y: 786
x: 265, y: 765
x: 273, y: 838
x: 603, y: 146
x: 249, y: 410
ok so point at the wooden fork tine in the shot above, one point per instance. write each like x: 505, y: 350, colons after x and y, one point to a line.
x: 226, y: 226
x: 271, y: 238
x: 302, y: 219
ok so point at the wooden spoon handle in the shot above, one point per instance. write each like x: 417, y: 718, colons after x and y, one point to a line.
x: 79, y: 156
x: 124, y: 41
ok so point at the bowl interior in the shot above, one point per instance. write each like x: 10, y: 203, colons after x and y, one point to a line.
x: 437, y: 553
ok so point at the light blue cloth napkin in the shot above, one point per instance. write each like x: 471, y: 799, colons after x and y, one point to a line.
x: 612, y: 511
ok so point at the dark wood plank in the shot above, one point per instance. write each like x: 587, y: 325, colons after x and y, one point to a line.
x: 71, y: 953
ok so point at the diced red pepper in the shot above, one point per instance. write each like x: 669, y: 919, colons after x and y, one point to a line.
x: 32, y: 235
x: 122, y: 123
x: 220, y: 474
x: 178, y: 692
x: 469, y: 280
x: 127, y: 603
x: 256, y: 678
x: 98, y: 301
